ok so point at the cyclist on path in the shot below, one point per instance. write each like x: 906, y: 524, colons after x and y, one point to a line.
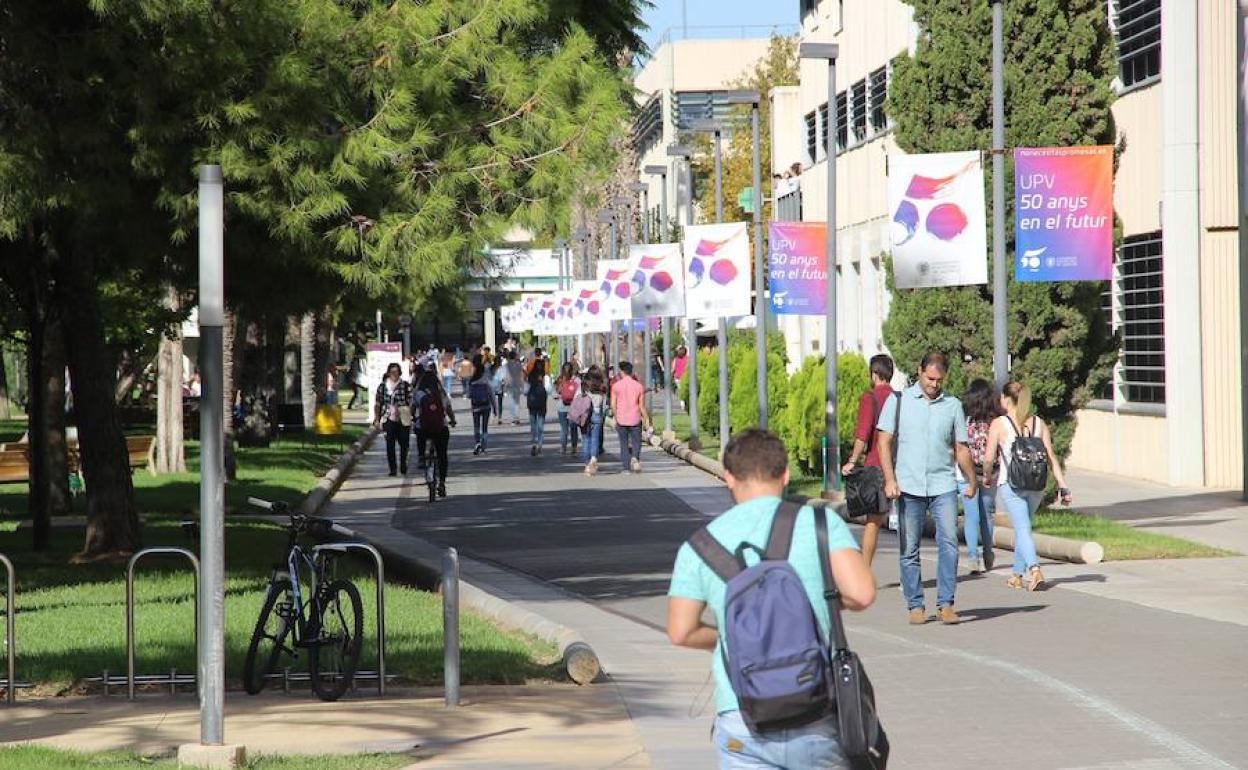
x: 434, y: 418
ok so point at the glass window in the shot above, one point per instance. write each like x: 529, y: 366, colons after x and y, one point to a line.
x: 842, y: 122
x: 812, y: 139
x: 1143, y: 319
x: 858, y: 96
x: 877, y: 93
x: 823, y: 130
x: 1137, y: 26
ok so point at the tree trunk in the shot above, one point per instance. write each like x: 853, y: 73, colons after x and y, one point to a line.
x: 324, y: 350
x: 227, y: 392
x: 6, y: 408
x: 170, y: 456
x: 56, y: 448
x: 112, y: 522
x: 129, y: 371
x: 307, y: 368
x: 291, y: 370
x: 45, y: 423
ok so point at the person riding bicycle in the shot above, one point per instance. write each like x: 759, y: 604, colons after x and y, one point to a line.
x: 434, y: 416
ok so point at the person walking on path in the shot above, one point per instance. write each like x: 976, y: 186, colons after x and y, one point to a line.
x: 446, y: 369
x: 866, y: 445
x: 465, y: 372
x: 393, y: 414
x: 922, y: 430
x: 679, y: 364
x: 982, y: 406
x: 355, y: 377
x: 594, y: 386
x: 756, y: 473
x: 1005, y: 435
x: 434, y: 419
x: 513, y: 383
x: 537, y: 397
x: 497, y: 371
x: 628, y: 404
x: 480, y: 392
x: 566, y: 388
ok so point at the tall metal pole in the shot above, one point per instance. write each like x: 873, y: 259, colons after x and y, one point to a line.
x: 1000, y: 348
x: 692, y: 366
x: 830, y: 346
x: 628, y: 253
x: 722, y: 332
x: 615, y: 338
x: 668, y: 382
x: 646, y: 341
x: 1241, y: 124
x: 211, y: 628
x: 760, y: 295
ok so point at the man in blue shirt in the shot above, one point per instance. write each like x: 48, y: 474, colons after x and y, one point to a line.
x: 923, y: 446
x: 756, y: 472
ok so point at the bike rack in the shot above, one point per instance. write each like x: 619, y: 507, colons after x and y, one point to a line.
x: 380, y: 673
x: 10, y: 684
x: 173, y: 679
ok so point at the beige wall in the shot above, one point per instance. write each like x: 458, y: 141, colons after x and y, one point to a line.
x: 1124, y: 444
x: 698, y: 65
x: 1137, y: 185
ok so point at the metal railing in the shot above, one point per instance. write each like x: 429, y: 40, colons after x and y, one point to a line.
x: 173, y: 679
x: 380, y: 673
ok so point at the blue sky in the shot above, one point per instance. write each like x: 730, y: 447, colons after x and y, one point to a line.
x: 667, y: 13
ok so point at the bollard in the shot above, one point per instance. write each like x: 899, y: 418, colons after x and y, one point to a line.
x: 450, y: 626
x: 10, y: 687
x: 130, y: 610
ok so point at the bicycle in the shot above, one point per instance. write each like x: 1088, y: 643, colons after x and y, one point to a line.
x: 433, y: 476
x: 329, y: 623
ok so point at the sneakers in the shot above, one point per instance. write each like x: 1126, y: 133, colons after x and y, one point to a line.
x: 947, y: 616
x: 1035, y: 579
x: 478, y: 449
x: 989, y: 558
x: 591, y: 467
x: 975, y: 566
x: 394, y: 473
x: 917, y: 616
x: 533, y: 451
x: 441, y: 490
x: 635, y: 465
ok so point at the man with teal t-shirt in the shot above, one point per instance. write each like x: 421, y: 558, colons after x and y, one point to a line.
x: 756, y: 473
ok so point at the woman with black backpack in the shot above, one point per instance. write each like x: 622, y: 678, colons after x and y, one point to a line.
x: 537, y: 396
x: 1027, y: 458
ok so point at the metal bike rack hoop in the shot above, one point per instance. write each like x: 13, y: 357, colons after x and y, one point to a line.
x: 10, y: 628
x: 130, y: 566
x: 381, y: 601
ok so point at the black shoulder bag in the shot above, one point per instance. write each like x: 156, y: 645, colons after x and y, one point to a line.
x: 864, y: 488
x: 862, y: 736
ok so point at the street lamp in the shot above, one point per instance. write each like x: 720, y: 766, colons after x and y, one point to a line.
x: 626, y: 202
x: 1000, y: 351
x: 608, y: 218
x: 643, y: 189
x: 581, y: 236
x: 832, y: 464
x: 665, y: 230
x: 716, y: 129
x: 685, y: 153
x: 561, y: 248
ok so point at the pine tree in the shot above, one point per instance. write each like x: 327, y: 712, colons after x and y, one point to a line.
x: 1058, y: 67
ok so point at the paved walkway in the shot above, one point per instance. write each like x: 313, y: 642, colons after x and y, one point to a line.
x: 1104, y: 670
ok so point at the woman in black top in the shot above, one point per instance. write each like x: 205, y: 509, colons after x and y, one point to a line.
x: 393, y: 413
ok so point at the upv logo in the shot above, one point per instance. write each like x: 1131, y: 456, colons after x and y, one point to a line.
x: 721, y: 270
x: 921, y: 205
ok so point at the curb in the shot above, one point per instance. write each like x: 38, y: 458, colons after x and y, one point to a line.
x: 333, y: 478
x: 1048, y: 546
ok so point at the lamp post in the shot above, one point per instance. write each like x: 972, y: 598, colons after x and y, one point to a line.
x: 581, y: 236
x: 625, y: 202
x: 832, y: 463
x: 668, y: 433
x: 716, y: 129
x: 643, y: 189
x: 607, y: 217
x: 685, y: 153
x: 1000, y: 351
x: 561, y: 249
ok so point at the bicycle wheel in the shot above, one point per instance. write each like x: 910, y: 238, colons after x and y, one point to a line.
x: 267, y: 640
x: 337, y: 639
x: 431, y: 476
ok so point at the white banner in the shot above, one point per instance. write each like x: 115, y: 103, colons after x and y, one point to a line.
x: 939, y: 226
x: 587, y: 310
x: 717, y: 270
x: 614, y: 289
x: 657, y: 278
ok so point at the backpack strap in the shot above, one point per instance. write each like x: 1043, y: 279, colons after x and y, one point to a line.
x: 831, y: 594
x: 721, y: 561
x: 781, y: 536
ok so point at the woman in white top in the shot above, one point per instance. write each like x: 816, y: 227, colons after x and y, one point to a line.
x: 1019, y: 504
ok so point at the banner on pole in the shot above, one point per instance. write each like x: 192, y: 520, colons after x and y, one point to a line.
x: 939, y: 224
x: 587, y: 308
x: 797, y: 268
x: 614, y: 289
x: 1064, y: 213
x: 717, y: 270
x: 657, y: 280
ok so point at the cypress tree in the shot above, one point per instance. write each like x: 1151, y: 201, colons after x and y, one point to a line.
x: 1059, y: 63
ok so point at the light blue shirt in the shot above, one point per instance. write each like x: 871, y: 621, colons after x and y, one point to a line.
x: 750, y: 522
x: 924, y: 452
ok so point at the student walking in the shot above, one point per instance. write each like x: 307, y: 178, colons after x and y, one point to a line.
x: 498, y: 370
x: 537, y: 397
x: 756, y: 472
x: 1022, y: 442
x: 434, y: 418
x: 393, y: 414
x: 513, y: 383
x: 866, y: 446
x: 594, y: 387
x: 982, y: 406
x: 628, y: 404
x: 566, y: 388
x: 465, y: 372
x: 481, y: 397
x: 924, y: 429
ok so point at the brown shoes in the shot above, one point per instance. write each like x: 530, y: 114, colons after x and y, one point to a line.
x: 1015, y: 581
x: 947, y: 616
x: 1035, y: 579
x: 918, y: 617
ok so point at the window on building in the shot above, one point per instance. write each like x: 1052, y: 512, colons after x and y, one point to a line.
x: 877, y: 97
x: 812, y: 139
x: 842, y: 122
x: 1137, y: 26
x: 858, y: 116
x: 808, y: 7
x: 1143, y: 319
x: 823, y: 131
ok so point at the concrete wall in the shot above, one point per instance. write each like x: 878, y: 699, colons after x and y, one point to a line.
x: 1125, y: 444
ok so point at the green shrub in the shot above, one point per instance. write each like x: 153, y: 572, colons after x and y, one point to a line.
x: 802, y: 423
x: 743, y: 385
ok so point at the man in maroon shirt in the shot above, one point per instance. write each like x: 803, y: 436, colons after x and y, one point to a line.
x: 869, y: 407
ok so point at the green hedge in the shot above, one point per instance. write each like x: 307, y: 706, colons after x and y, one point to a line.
x: 802, y: 423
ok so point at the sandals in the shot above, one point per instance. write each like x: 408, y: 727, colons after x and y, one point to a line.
x: 1035, y: 580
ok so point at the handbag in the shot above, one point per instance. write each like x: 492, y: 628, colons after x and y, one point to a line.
x: 864, y: 488
x: 862, y: 737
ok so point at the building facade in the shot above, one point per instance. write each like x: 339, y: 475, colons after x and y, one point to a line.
x: 1172, y: 412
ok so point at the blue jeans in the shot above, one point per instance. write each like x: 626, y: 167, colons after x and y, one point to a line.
x: 568, y: 428
x: 593, y: 438
x: 944, y: 510
x: 977, y: 513
x: 447, y: 379
x: 815, y: 745
x: 1020, y: 506
x: 481, y: 425
x: 537, y: 427
x: 630, y: 443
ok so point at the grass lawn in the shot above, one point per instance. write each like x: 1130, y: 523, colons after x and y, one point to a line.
x: 1120, y: 541
x: 680, y: 421
x: 41, y: 758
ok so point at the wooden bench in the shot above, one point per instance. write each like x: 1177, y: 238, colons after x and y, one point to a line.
x: 139, y: 450
x: 14, y: 466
